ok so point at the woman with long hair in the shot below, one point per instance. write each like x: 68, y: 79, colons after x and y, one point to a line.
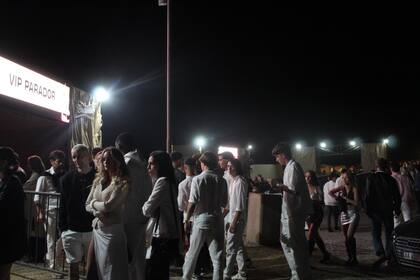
x: 12, y: 230
x: 106, y: 202
x: 348, y: 197
x: 315, y: 219
x: 163, y: 209
x: 36, y: 167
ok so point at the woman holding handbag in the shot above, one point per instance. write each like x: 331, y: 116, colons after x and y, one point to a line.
x: 162, y: 207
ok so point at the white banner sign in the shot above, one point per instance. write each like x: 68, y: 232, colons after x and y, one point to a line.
x: 26, y: 85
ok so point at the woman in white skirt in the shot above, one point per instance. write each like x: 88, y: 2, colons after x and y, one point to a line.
x: 106, y: 202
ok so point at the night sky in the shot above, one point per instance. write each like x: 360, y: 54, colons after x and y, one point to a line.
x: 244, y: 72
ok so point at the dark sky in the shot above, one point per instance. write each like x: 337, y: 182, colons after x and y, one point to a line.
x: 244, y: 72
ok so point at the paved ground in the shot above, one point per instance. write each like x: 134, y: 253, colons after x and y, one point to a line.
x: 269, y: 263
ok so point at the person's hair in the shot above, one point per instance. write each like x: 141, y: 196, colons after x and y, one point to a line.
x: 343, y: 170
x: 226, y: 155
x: 80, y: 148
x: 118, y: 159
x: 382, y: 163
x: 57, y: 154
x: 210, y: 160
x: 176, y: 156
x: 126, y: 140
x: 282, y: 148
x: 36, y: 164
x: 395, y: 166
x: 11, y: 157
x: 352, y: 178
x: 313, y: 180
x: 190, y: 162
x: 332, y: 175
x: 196, y: 157
x: 95, y: 151
x: 163, y: 162
x: 237, y: 165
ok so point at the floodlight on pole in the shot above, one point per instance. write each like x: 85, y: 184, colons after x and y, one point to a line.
x: 101, y: 94
x: 200, y: 142
x: 323, y: 145
x: 385, y: 141
x: 298, y: 146
x: 353, y: 143
x: 250, y: 147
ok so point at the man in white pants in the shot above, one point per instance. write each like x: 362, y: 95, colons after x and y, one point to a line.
x: 134, y: 220
x: 296, y: 206
x: 47, y: 207
x: 236, y: 222
x: 207, y: 198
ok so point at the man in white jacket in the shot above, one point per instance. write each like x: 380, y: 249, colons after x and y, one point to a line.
x: 295, y: 208
x: 134, y: 220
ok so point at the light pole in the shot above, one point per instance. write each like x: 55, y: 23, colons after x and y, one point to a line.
x: 167, y: 3
x: 200, y: 142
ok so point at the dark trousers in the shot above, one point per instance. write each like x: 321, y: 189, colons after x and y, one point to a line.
x: 157, y: 267
x: 332, y: 211
x: 388, y: 222
x: 417, y: 193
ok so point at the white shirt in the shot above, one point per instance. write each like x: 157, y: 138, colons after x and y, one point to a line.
x: 161, y: 198
x: 209, y: 193
x: 184, y: 189
x: 299, y: 205
x: 237, y: 198
x: 45, y: 184
x: 328, y: 199
x: 140, y: 189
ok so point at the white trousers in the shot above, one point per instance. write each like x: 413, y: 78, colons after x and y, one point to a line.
x: 136, y: 245
x: 407, y: 211
x: 235, y: 251
x: 111, y: 252
x: 50, y: 226
x: 295, y: 247
x: 213, y: 235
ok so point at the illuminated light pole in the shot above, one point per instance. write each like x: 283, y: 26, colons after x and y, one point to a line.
x: 200, y: 142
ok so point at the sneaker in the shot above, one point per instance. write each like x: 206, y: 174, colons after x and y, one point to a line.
x: 239, y: 276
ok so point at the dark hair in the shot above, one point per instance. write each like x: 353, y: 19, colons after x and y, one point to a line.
x: 57, y: 154
x: 196, y: 157
x: 343, y: 170
x: 313, y: 180
x: 190, y: 162
x: 35, y: 164
x: 226, y: 155
x: 382, y: 163
x: 352, y: 178
x: 332, y: 175
x: 126, y: 140
x: 395, y: 166
x: 210, y: 160
x: 282, y: 148
x: 95, y: 151
x: 164, y: 165
x: 117, y: 157
x: 11, y: 157
x: 176, y: 156
x: 237, y: 165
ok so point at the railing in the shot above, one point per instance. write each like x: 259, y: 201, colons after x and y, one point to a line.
x: 43, y: 235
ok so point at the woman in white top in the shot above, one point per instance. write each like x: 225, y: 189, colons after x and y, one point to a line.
x: 106, y: 202
x: 162, y: 207
x: 236, y: 222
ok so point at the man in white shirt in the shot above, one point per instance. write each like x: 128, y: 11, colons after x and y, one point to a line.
x: 330, y: 202
x: 134, y: 220
x: 236, y: 222
x: 47, y: 205
x: 295, y: 208
x: 340, y: 181
x: 208, y: 196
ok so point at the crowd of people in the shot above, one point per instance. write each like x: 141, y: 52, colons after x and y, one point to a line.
x: 131, y: 220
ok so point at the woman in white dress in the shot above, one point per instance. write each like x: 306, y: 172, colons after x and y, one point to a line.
x: 106, y: 202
